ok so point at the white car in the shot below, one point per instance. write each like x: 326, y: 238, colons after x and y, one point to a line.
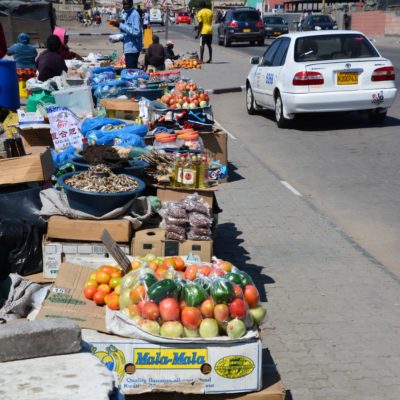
x: 322, y: 71
x: 156, y: 16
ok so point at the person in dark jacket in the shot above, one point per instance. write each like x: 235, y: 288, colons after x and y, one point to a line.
x: 50, y: 63
x: 169, y: 51
x: 23, y: 52
x: 155, y: 55
x: 3, y: 44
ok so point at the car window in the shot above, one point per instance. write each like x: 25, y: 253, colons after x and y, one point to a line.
x: 280, y: 54
x: 183, y: 14
x: 270, y: 53
x: 320, y: 18
x: 246, y: 16
x: 333, y: 47
x: 274, y: 20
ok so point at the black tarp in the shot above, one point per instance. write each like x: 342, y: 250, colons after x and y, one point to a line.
x: 38, y: 11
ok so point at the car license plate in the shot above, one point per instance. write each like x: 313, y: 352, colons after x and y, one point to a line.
x: 347, y: 78
x: 277, y: 33
x: 246, y: 30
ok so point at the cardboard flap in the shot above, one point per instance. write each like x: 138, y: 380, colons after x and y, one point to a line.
x: 66, y: 299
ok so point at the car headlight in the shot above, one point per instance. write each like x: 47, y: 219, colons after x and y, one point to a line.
x: 334, y: 26
x: 317, y: 28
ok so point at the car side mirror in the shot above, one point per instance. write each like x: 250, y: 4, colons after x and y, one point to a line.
x: 255, y: 60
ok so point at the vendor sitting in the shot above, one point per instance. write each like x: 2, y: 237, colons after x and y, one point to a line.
x: 24, y: 55
x: 155, y: 55
x: 65, y: 51
x: 50, y: 63
x: 169, y: 51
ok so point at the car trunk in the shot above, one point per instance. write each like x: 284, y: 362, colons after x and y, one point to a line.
x: 346, y: 75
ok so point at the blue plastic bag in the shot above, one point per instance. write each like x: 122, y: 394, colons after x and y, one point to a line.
x: 111, y: 88
x: 131, y: 74
x: 61, y: 158
x: 99, y: 70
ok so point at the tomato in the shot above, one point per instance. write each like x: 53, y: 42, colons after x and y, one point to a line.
x: 169, y: 309
x: 104, y: 288
x: 89, y: 292
x: 153, y: 265
x: 179, y: 264
x: 218, y: 272
x: 191, y: 317
x: 150, y: 310
x: 113, y: 301
x: 207, y: 308
x: 182, y: 305
x: 91, y: 282
x: 221, y: 312
x: 106, y: 268
x: 117, y: 274
x: 137, y: 293
x: 238, y: 308
x: 205, y: 270
x: 160, y: 272
x: 114, y: 282
x: 251, y: 295
x: 169, y: 262
x: 98, y: 297
x: 102, y: 277
x: 237, y: 290
x: 191, y: 272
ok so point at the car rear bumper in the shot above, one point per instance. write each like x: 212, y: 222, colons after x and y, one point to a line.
x: 246, y: 36
x: 338, y: 101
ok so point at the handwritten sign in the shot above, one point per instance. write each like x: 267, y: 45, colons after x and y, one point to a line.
x: 64, y: 128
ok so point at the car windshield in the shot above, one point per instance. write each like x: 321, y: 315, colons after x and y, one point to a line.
x: 320, y: 18
x: 333, y: 47
x: 274, y: 20
x: 183, y: 14
x: 246, y: 16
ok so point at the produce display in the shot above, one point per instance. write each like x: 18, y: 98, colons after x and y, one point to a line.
x: 101, y: 179
x: 190, y: 63
x: 186, y: 95
x: 173, y: 298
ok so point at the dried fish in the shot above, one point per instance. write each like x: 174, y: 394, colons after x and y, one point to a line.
x: 100, y: 178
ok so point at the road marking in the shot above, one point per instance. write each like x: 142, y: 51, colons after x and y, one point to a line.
x: 291, y: 188
x: 228, y: 133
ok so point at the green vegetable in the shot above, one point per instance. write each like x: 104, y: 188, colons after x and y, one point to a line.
x: 245, y: 277
x: 193, y: 294
x: 162, y: 289
x: 149, y: 279
x: 234, y: 278
x: 222, y: 291
x: 204, y: 283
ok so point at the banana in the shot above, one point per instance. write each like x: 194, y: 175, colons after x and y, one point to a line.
x: 120, y: 361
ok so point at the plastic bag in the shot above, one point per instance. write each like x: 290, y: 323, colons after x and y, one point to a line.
x: 21, y: 230
x: 41, y: 96
x: 199, y: 220
x: 102, y: 77
x: 111, y: 88
x: 131, y: 74
x: 60, y: 158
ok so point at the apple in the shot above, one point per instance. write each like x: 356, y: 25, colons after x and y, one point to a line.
x: 191, y: 333
x: 192, y: 105
x: 203, y: 103
x: 236, y: 328
x: 258, y: 313
x: 149, y: 326
x: 171, y: 329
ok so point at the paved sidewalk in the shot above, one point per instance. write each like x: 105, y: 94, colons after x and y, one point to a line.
x: 334, y: 313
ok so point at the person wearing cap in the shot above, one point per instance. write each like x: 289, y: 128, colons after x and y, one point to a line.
x: 155, y: 55
x: 169, y: 51
x: 65, y: 51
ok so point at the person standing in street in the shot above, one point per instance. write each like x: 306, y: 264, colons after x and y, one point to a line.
x: 131, y: 27
x: 205, y: 20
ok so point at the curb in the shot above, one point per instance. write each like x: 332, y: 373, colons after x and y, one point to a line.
x: 234, y: 89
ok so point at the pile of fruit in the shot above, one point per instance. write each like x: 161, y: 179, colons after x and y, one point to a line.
x: 185, y: 95
x: 173, y: 299
x: 104, y: 286
x: 190, y: 63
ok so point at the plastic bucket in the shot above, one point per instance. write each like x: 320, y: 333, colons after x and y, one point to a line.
x: 9, y: 88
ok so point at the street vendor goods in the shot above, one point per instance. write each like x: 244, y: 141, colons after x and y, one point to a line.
x: 190, y: 63
x: 174, y: 298
x: 186, y: 95
x: 101, y: 179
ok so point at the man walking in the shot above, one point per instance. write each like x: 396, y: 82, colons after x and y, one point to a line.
x: 205, y: 19
x: 132, y: 29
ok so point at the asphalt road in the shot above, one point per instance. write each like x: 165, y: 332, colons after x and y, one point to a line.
x: 346, y: 168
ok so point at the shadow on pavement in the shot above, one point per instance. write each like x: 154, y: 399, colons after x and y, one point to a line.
x: 228, y: 247
x: 233, y: 176
x: 334, y: 121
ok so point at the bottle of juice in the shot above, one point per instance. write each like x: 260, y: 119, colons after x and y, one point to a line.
x: 189, y: 173
x: 203, y: 172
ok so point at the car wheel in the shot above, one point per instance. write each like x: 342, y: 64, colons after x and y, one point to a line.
x: 281, y: 121
x: 227, y: 41
x: 260, y: 42
x: 376, y: 117
x: 250, y: 103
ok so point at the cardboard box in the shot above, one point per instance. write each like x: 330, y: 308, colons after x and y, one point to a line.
x: 37, y: 166
x: 57, y: 252
x: 121, y: 108
x: 153, y: 241
x: 216, y: 145
x: 35, y: 137
x: 169, y: 193
x: 66, y: 300
x: 60, y: 227
x: 140, y: 366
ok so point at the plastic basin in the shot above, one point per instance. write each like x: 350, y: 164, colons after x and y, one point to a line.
x: 96, y: 203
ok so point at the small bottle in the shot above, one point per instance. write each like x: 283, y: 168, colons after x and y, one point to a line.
x: 85, y: 144
x: 179, y: 172
x: 203, y: 172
